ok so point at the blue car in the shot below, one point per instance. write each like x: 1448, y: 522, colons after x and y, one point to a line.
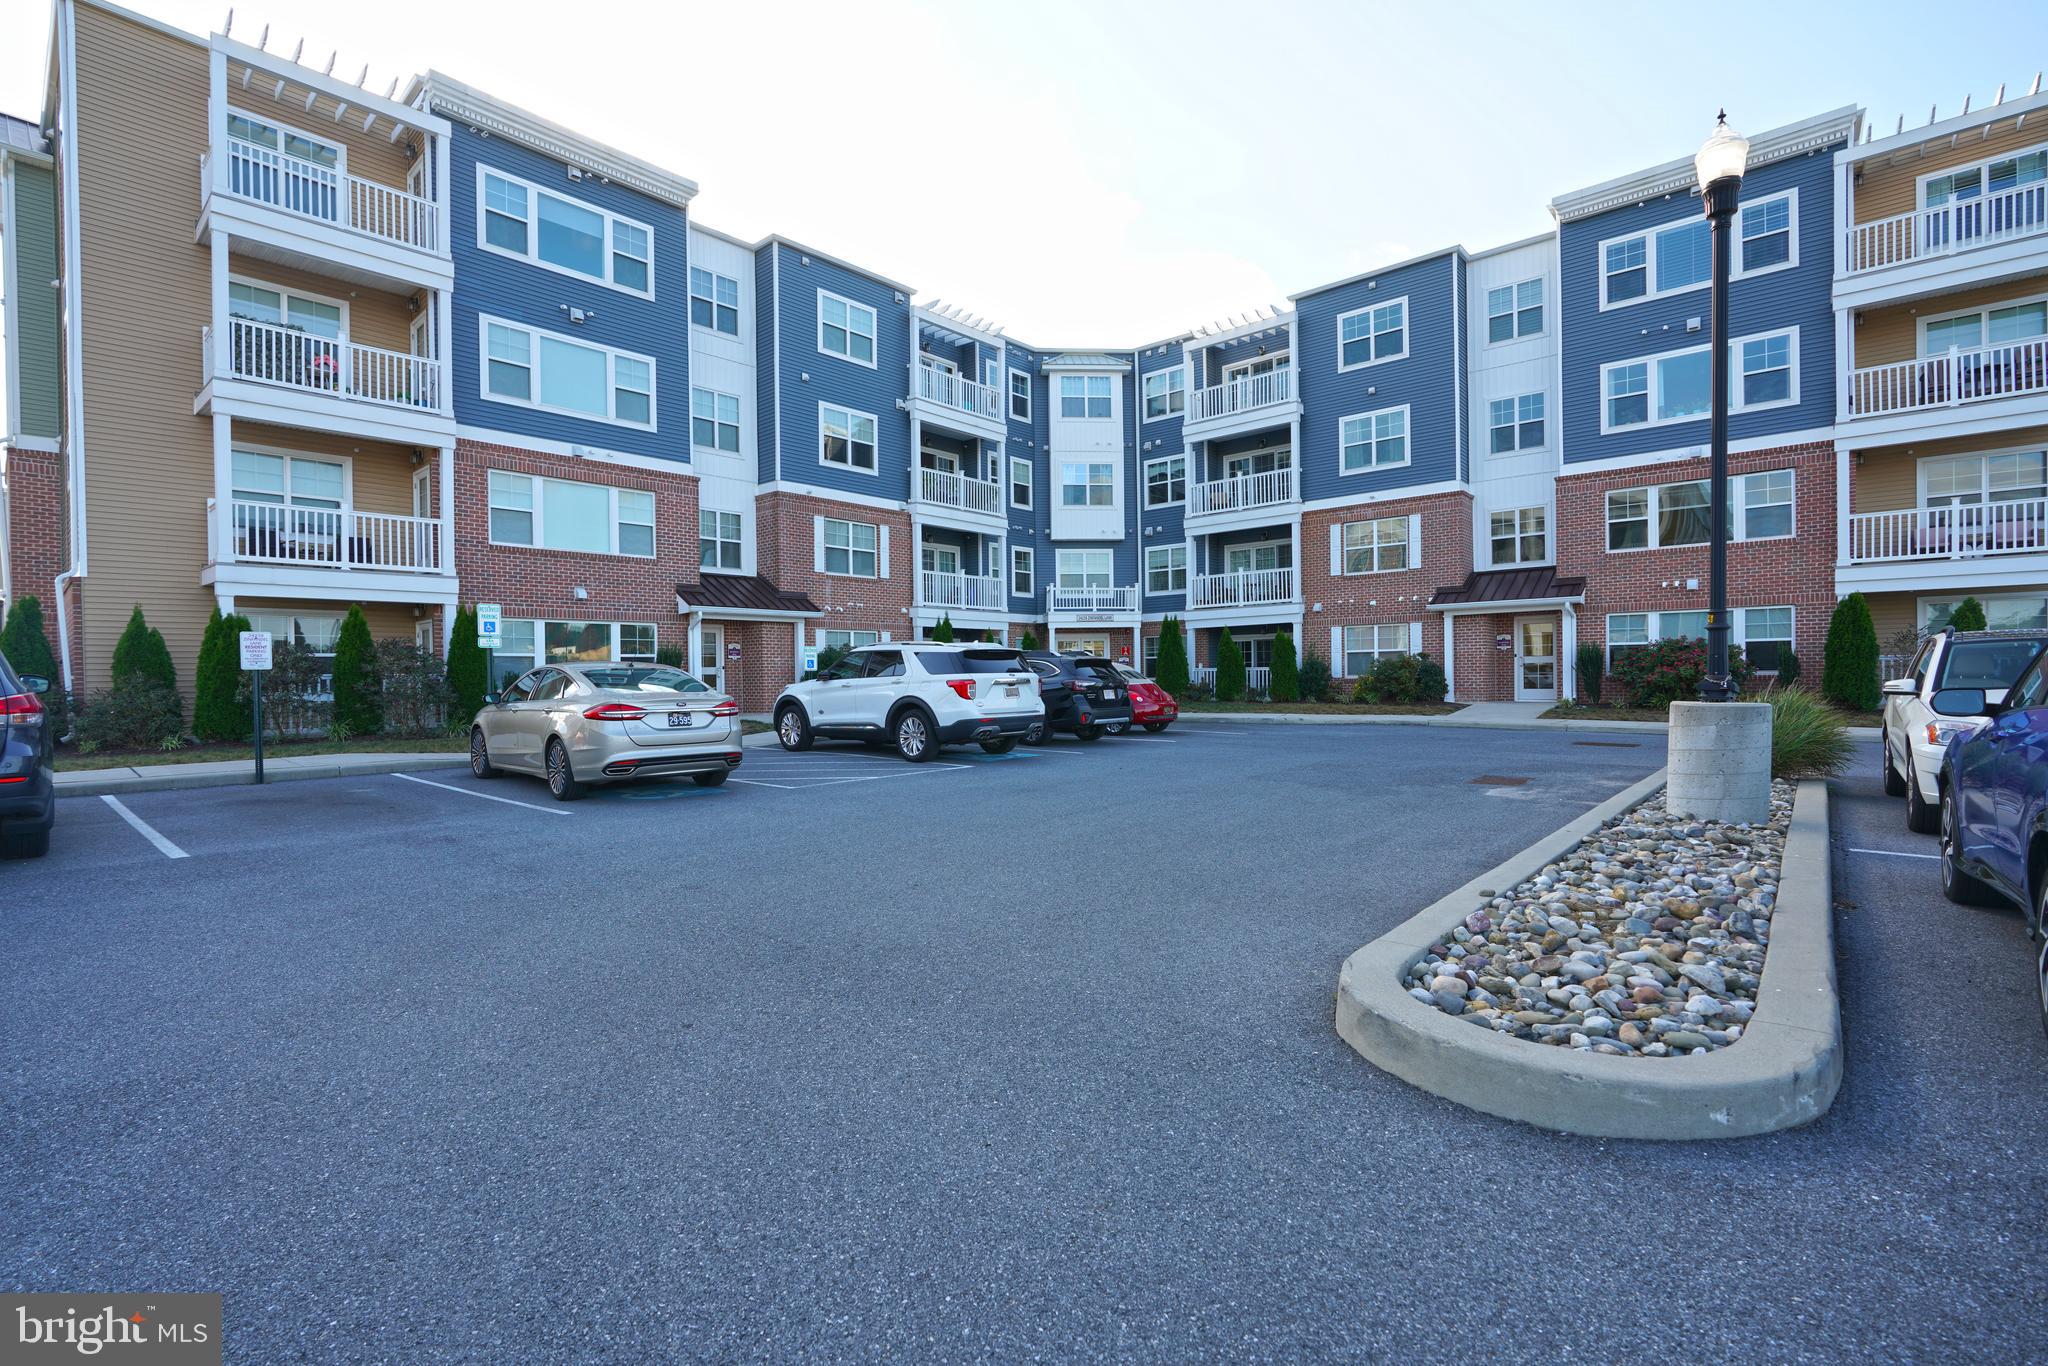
x: 1994, y: 805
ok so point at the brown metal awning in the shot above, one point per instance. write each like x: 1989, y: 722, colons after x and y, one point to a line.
x: 1538, y: 585
x: 743, y: 595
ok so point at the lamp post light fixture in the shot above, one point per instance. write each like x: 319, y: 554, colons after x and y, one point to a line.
x: 1720, y: 164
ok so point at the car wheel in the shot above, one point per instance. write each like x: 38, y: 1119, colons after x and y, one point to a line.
x: 1115, y: 727
x: 715, y: 778
x: 562, y: 784
x: 914, y: 738
x: 1002, y: 746
x: 1921, y: 818
x: 1034, y: 734
x: 1156, y: 726
x: 480, y: 755
x: 1894, y: 785
x: 1957, y: 885
x: 2042, y: 972
x: 793, y: 728
x: 1088, y: 731
x: 2041, y: 927
x: 25, y: 844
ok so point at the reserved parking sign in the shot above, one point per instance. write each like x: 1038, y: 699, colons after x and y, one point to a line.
x: 255, y: 650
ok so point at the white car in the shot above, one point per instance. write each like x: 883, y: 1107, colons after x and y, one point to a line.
x: 917, y: 696
x: 1915, y: 738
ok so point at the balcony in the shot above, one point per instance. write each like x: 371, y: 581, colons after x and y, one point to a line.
x: 945, y: 489
x: 1243, y: 588
x: 1962, y: 532
x: 1947, y: 230
x: 1091, y: 602
x: 318, y: 194
x: 1985, y: 375
x: 267, y: 353
x: 339, y: 539
x: 1242, y: 493
x: 1241, y: 405
x: 1258, y: 678
x: 955, y: 401
x: 966, y: 591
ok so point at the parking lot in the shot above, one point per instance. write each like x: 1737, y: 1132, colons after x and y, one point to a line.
x: 987, y: 1057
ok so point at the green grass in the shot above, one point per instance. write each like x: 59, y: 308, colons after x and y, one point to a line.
x: 755, y: 728
x: 1329, y: 708
x: 70, y: 761
x: 1596, y: 711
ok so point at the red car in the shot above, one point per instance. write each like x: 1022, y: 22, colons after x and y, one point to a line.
x: 1152, y: 706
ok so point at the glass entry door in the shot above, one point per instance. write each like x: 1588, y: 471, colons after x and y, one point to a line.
x: 711, y: 658
x: 1535, y: 659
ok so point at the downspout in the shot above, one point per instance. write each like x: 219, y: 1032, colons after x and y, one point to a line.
x: 65, y: 136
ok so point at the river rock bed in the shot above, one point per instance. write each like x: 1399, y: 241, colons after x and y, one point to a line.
x: 1649, y: 941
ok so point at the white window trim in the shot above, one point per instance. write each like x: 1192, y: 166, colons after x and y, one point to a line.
x: 1921, y: 603
x: 611, y: 354
x: 1223, y: 553
x: 1407, y: 440
x: 1088, y: 463
x: 739, y: 539
x: 286, y: 453
x: 739, y: 424
x: 1735, y: 270
x: 1738, y: 505
x: 1236, y: 370
x: 532, y: 254
x: 1514, y: 311
x: 712, y: 327
x: 1738, y: 513
x: 1654, y: 629
x: 340, y: 148
x: 1516, y: 399
x: 848, y: 356
x: 1181, y: 368
x: 1740, y: 635
x: 1056, y: 398
x: 881, y: 549
x: 540, y: 638
x: 1145, y: 481
x: 1735, y: 403
x: 1407, y: 335
x: 840, y: 464
x: 1341, y: 642
x: 1169, y: 550
x: 1059, y: 559
x: 1547, y: 557
x: 539, y: 514
x: 1919, y: 184
x: 1919, y: 469
x: 1021, y: 555
x: 1919, y: 328
x: 1411, y: 544
x: 1010, y: 397
x: 286, y: 292
x: 1029, y: 481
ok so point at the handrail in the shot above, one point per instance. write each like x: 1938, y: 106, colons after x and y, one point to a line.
x: 1242, y: 491
x: 263, y: 175
x: 1241, y: 395
x: 273, y: 354
x: 1955, y: 377
x: 1945, y: 229
x: 1244, y: 587
x: 951, y: 390
x: 334, y: 538
x: 1957, y: 532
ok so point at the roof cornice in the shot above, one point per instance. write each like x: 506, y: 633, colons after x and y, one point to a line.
x: 1794, y: 139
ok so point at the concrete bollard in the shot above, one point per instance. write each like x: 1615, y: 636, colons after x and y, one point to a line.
x: 1720, y: 761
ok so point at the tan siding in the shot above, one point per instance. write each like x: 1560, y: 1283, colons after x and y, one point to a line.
x: 374, y: 317
x: 1890, y: 185
x: 381, y: 474
x: 388, y: 620
x: 1888, y: 479
x: 1885, y: 335
x: 1893, y: 613
x: 371, y: 156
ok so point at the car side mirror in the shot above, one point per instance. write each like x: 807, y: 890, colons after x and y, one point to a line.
x: 35, y: 683
x: 1900, y: 687
x: 1961, y: 702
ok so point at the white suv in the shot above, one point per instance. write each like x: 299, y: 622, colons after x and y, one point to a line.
x: 1915, y: 738
x: 916, y: 695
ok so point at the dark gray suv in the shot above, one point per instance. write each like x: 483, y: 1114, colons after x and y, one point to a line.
x: 28, y: 797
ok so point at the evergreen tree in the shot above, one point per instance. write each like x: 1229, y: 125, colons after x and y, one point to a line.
x: 1027, y: 641
x: 1286, y: 685
x: 466, y: 672
x: 1968, y: 616
x: 943, y: 632
x: 356, y: 707
x: 140, y: 654
x: 1229, y: 669
x: 1848, y: 664
x: 1173, y: 657
x: 24, y: 642
x: 217, y: 712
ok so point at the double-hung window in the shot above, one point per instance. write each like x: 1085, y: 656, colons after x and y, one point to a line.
x: 1371, y: 335
x: 1166, y: 392
x: 1766, y: 370
x: 574, y: 378
x: 1087, y: 485
x: 1624, y: 270
x: 846, y: 329
x: 519, y: 218
x: 1379, y: 546
x: 1020, y: 396
x: 714, y: 301
x: 1020, y: 482
x: 1684, y: 255
x: 1679, y: 256
x: 1518, y: 536
x: 1766, y: 637
x: 1085, y: 396
x: 1365, y: 646
x: 851, y: 548
x: 1628, y: 519
x: 1677, y: 386
x: 563, y: 514
x: 1766, y: 505
x: 1515, y: 424
x: 1085, y: 568
x: 1653, y: 518
x: 1166, y: 481
x: 714, y: 420
x: 846, y: 438
x: 718, y: 539
x: 1166, y: 569
x: 1020, y: 571
x: 1684, y: 514
x: 1372, y: 441
x: 1514, y: 311
x: 1766, y: 228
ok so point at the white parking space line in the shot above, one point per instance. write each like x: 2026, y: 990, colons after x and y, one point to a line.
x: 1144, y: 740
x: 1894, y: 853
x: 755, y: 782
x: 485, y: 796
x: 143, y: 827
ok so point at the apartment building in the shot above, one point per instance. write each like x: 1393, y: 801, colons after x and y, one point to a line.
x: 421, y: 348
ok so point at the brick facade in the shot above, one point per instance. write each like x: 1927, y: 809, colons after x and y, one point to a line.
x: 785, y: 548
x: 35, y: 529
x: 1444, y: 559
x: 1480, y: 670
x: 767, y: 662
x: 1796, y: 571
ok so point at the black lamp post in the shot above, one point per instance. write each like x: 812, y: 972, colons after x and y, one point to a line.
x: 1720, y: 164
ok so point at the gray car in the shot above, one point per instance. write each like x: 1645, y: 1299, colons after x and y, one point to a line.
x: 588, y: 723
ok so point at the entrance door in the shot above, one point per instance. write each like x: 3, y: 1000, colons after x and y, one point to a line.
x: 711, y: 658
x: 423, y: 635
x: 1535, y: 659
x: 1066, y: 644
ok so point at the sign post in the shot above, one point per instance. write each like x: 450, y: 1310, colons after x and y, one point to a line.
x: 256, y: 659
x: 489, y: 623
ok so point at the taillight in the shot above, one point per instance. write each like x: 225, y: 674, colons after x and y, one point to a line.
x: 614, y: 711
x: 22, y: 709
x: 962, y: 686
x: 727, y: 708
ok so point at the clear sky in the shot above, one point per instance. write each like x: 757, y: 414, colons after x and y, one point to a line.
x: 1109, y: 174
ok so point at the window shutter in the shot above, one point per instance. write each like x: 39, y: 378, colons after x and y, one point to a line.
x: 882, y: 549
x: 1336, y: 548
x: 1414, y: 637
x: 818, y: 544
x: 1337, y: 651
x: 1415, y: 540
x: 885, y: 635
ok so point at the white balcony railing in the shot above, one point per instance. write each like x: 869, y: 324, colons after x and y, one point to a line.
x: 1243, y: 588
x: 309, y: 190
x: 270, y: 354
x: 1959, y: 225
x: 1974, y: 376
x: 1239, y: 492
x: 2016, y: 527
x: 1258, y: 678
x: 331, y: 538
x: 1062, y: 600
x: 1245, y: 395
x: 950, y: 390
x: 957, y: 491
x: 938, y: 589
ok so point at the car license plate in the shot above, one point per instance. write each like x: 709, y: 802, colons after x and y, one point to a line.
x: 1109, y: 694
x: 680, y: 720
x: 1010, y: 690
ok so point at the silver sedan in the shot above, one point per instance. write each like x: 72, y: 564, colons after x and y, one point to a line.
x: 587, y: 723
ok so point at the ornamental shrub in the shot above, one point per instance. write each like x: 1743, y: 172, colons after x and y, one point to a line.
x: 943, y: 632
x: 1668, y: 671
x: 1286, y: 685
x: 139, y: 713
x: 356, y: 710
x: 1848, y: 664
x: 1968, y: 616
x: 1809, y: 738
x: 1173, y: 657
x: 412, y: 688
x: 1591, y: 666
x: 293, y: 707
x: 1432, y: 684
x: 218, y: 709
x: 468, y: 675
x: 141, y: 653
x: 670, y: 656
x: 1315, y: 676
x: 27, y: 647
x: 1788, y: 669
x: 1229, y: 670
x: 1027, y: 641
x: 1392, y: 679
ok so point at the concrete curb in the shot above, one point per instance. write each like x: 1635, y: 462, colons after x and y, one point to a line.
x: 235, y: 773
x: 1783, y: 1072
x: 1311, y: 719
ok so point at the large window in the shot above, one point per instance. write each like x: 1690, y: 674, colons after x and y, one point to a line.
x: 1677, y: 386
x: 714, y: 420
x: 1515, y: 424
x: 1371, y: 335
x: 1372, y: 441
x: 1765, y: 507
x: 852, y: 548
x: 1990, y: 177
x: 1379, y: 546
x: 2002, y: 611
x: 2007, y: 476
x: 1085, y: 396
x: 714, y: 301
x: 1087, y: 485
x: 1518, y: 536
x: 1984, y: 327
x: 309, y: 313
x: 523, y: 645
x: 1020, y: 572
x: 718, y: 539
x: 1365, y: 646
x: 1678, y: 257
x: 1766, y: 637
x: 1020, y: 482
x: 1514, y: 311
x: 1166, y: 569
x: 542, y: 370
x: 317, y: 634
x: 1166, y: 392
x: 1020, y: 396
x: 846, y: 438
x: 1085, y: 568
x: 294, y: 480
x: 1759, y: 507
x: 519, y: 218
x: 1765, y: 633
x: 846, y: 329
x: 1166, y: 481
x: 559, y: 514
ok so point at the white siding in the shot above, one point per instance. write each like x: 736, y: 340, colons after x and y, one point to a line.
x: 726, y: 481
x: 1510, y: 369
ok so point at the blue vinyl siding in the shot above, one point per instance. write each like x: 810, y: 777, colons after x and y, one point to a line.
x: 765, y: 387
x: 1029, y: 529
x: 1797, y: 297
x: 521, y: 292
x: 1162, y: 526
x: 1425, y: 380
x: 807, y: 376
x: 1464, y: 407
